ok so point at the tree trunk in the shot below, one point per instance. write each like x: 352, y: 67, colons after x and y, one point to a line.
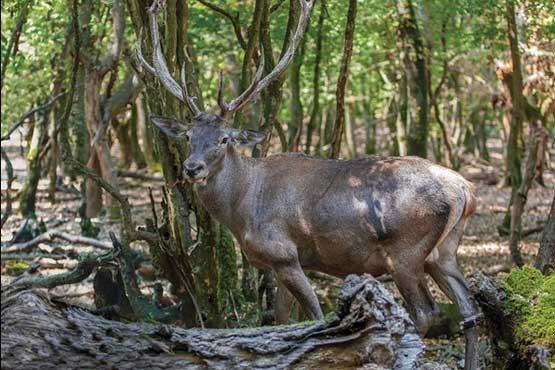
x: 370, y: 329
x: 145, y: 130
x: 315, y: 114
x: 339, y: 125
x: 296, y: 107
x: 415, y: 65
x: 134, y: 126
x: 28, y: 195
x: 100, y: 158
x: 546, y: 254
x: 194, y: 270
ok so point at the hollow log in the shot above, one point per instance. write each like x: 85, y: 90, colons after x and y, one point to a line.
x: 369, y: 330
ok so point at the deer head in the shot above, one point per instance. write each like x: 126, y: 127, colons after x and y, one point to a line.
x: 208, y: 134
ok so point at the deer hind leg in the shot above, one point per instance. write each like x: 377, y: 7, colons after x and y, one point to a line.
x: 284, y: 304
x: 421, y: 306
x: 443, y: 268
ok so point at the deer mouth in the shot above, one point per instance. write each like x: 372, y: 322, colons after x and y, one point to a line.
x: 200, y: 180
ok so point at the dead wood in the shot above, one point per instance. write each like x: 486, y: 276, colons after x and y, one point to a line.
x: 369, y: 330
x: 55, y: 234
x: 501, y: 327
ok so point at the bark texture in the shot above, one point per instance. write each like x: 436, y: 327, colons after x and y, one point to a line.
x: 369, y: 330
x: 339, y: 125
x: 546, y: 254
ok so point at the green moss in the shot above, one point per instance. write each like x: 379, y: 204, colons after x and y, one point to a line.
x: 541, y: 323
x: 522, y: 284
x: 531, y: 296
x: 16, y: 268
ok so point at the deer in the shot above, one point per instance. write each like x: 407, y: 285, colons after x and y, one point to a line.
x: 402, y: 216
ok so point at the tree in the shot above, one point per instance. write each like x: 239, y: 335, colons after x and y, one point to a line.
x: 546, y: 254
x: 339, y: 125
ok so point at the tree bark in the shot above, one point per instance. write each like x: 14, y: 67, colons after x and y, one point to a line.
x: 415, y: 65
x: 339, y: 125
x: 27, y: 197
x: 369, y: 329
x: 315, y: 114
x: 546, y: 254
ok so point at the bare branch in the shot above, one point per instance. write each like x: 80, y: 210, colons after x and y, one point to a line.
x: 56, y: 234
x: 276, y: 6
x: 234, y: 19
x: 21, y: 121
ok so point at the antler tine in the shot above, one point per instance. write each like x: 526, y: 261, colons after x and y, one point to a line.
x: 188, y: 100
x: 247, y: 95
x: 160, y: 69
x: 140, y: 56
x: 221, y: 102
x: 257, y: 86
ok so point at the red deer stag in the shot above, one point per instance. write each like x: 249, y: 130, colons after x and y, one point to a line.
x: 379, y: 215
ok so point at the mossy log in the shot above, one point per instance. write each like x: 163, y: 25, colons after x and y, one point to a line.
x: 508, y: 352
x: 369, y: 330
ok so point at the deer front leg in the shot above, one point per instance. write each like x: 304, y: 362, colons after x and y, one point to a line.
x: 268, y: 246
x: 295, y: 280
x: 284, y: 304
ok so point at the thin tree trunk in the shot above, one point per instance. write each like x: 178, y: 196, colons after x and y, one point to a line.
x: 521, y: 195
x: 316, y: 115
x: 145, y: 130
x: 27, y: 197
x: 296, y: 107
x: 137, y: 152
x: 546, y: 254
x: 417, y: 133
x: 13, y: 44
x: 514, y: 86
x: 100, y: 154
x: 339, y: 125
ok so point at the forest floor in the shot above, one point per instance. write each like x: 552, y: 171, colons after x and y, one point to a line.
x: 482, y: 247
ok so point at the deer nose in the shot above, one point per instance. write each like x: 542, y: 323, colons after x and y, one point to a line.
x: 193, y: 168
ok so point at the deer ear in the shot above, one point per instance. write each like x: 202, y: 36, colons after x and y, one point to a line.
x: 170, y: 126
x: 245, y: 137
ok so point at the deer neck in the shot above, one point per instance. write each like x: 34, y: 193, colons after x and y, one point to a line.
x: 223, y: 192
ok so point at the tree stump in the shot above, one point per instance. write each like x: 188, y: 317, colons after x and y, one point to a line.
x: 369, y: 330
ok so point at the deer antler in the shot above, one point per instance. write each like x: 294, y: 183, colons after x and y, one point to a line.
x: 258, y: 85
x: 159, y: 68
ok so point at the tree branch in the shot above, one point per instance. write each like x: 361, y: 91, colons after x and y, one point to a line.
x: 56, y: 234
x: 118, y: 28
x: 21, y: 121
x: 233, y: 18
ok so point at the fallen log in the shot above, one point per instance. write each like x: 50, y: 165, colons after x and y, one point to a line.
x: 502, y: 326
x: 369, y: 330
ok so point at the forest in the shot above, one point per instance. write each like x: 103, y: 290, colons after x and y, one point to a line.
x: 272, y: 184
